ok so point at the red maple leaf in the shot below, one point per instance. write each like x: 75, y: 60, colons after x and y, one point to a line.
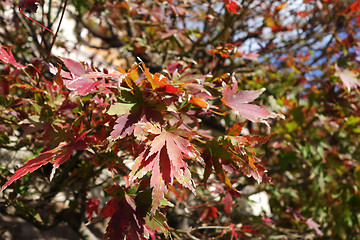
x: 209, y: 213
x: 92, y: 206
x: 228, y: 201
x: 231, y: 6
x: 165, y: 158
x: 83, y: 81
x: 127, y: 121
x: 239, y: 101
x: 124, y: 220
x: 355, y: 6
x: 159, y: 82
x: 58, y: 156
x: 8, y: 57
x: 125, y: 124
x: 234, y: 234
x: 256, y: 170
x: 110, y: 208
x: 4, y: 87
x: 29, y: 5
x: 169, y: 89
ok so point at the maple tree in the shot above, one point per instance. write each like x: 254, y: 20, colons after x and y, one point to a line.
x: 178, y: 124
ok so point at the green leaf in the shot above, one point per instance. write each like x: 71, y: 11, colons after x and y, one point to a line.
x: 157, y: 223
x: 120, y: 108
x: 298, y: 115
x: 4, y: 138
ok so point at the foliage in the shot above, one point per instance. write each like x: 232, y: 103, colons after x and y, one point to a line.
x: 164, y: 130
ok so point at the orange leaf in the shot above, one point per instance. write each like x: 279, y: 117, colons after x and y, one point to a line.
x: 277, y: 8
x: 148, y: 75
x: 159, y: 81
x: 199, y: 102
x: 302, y: 13
x: 235, y: 130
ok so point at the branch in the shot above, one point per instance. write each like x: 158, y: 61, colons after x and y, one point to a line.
x: 57, y: 30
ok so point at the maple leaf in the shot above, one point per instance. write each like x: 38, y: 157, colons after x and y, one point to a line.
x: 249, y: 55
x: 92, y: 205
x: 165, y: 158
x: 302, y: 13
x: 199, y: 95
x: 58, y: 156
x: 281, y: 6
x: 212, y: 161
x: 228, y: 201
x: 231, y: 6
x: 223, y: 50
x: 169, y: 89
x: 313, y: 225
x: 355, y: 6
x: 110, y: 208
x: 157, y: 223
x: 125, y: 124
x: 8, y: 57
x: 255, y: 170
x: 124, y: 221
x: 129, y: 116
x: 83, y: 81
x: 234, y: 234
x: 209, y: 213
x: 348, y: 78
x: 37, y: 162
x: 29, y: 5
x: 199, y: 102
x: 159, y: 82
x: 234, y: 130
x: 240, y: 103
x: 4, y: 87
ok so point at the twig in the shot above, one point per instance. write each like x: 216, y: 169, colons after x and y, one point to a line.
x: 35, y: 22
x: 57, y: 30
